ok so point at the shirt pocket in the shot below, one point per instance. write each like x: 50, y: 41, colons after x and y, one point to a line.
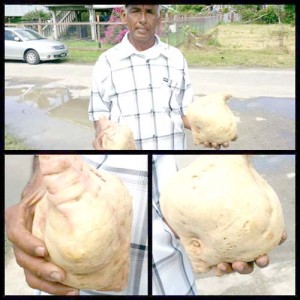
x: 166, y: 93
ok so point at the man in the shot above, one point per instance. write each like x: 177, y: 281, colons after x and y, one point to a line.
x: 143, y: 83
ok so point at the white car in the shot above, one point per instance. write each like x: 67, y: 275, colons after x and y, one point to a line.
x: 30, y: 46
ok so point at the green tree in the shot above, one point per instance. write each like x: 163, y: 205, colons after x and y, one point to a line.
x: 289, y: 14
x: 270, y: 15
x: 36, y: 16
x: 189, y: 9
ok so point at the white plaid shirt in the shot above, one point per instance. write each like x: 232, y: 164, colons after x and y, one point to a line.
x: 171, y: 270
x: 132, y: 171
x: 149, y: 91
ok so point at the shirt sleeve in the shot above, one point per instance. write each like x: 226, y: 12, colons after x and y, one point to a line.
x: 100, y: 104
x: 171, y: 270
x: 185, y: 96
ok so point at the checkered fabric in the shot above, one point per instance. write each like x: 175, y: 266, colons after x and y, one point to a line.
x: 148, y: 91
x: 171, y: 271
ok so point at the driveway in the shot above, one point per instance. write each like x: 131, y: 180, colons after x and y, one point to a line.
x: 47, y: 104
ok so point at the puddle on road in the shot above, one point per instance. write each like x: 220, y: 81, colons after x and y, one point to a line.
x: 54, y: 102
x: 282, y: 107
x: 44, y: 110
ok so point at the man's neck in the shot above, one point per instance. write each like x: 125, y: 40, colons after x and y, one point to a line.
x: 141, y: 46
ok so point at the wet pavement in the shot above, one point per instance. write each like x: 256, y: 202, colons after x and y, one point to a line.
x: 48, y: 118
x: 264, y: 123
x: 47, y: 107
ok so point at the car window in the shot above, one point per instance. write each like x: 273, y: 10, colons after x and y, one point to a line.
x: 29, y: 35
x: 9, y: 35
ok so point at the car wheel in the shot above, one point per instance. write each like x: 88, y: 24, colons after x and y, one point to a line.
x: 32, y: 57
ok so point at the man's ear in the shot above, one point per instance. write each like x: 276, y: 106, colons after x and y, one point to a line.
x: 123, y: 16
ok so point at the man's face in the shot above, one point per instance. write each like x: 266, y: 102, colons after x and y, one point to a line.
x: 142, y: 21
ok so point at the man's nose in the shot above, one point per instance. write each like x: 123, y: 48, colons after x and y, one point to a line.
x: 143, y: 18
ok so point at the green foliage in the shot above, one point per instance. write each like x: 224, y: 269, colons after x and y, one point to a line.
x: 189, y: 9
x: 270, y: 15
x: 289, y: 14
x: 13, y: 19
x: 36, y: 15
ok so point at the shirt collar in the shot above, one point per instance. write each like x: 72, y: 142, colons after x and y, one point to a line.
x: 126, y: 49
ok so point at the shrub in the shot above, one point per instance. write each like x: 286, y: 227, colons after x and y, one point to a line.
x: 114, y: 33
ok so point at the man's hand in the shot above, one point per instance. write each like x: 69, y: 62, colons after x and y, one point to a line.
x: 100, y: 127
x: 97, y: 142
x: 218, y: 146
x: 243, y: 267
x: 30, y: 251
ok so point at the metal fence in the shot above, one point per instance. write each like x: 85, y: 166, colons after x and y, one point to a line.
x: 171, y: 31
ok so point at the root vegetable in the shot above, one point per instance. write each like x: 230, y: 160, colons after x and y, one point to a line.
x: 211, y: 119
x: 222, y: 210
x: 85, y: 221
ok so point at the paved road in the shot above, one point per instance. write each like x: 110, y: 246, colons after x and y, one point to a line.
x: 47, y: 104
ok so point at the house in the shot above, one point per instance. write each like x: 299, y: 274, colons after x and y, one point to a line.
x: 62, y: 16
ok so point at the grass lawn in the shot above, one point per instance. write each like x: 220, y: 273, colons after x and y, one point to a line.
x: 13, y: 143
x: 228, y: 45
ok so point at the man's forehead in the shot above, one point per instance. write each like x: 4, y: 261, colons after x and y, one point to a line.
x: 142, y: 6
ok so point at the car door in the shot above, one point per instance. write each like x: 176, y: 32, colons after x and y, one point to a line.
x: 13, y: 49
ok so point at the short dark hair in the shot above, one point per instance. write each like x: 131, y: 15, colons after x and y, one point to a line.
x: 159, y: 6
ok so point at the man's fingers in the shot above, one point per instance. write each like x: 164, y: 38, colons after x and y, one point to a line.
x: 28, y: 243
x: 96, y: 144
x: 235, y: 138
x: 284, y: 237
x: 49, y: 287
x: 21, y: 237
x: 216, y: 146
x: 242, y: 267
x: 262, y: 261
x: 39, y: 266
x: 207, y: 145
x: 223, y: 268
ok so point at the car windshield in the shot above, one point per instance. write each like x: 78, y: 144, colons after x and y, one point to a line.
x: 29, y: 35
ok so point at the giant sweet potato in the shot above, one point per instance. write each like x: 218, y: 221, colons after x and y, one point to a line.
x: 85, y: 221
x: 211, y: 119
x: 222, y: 210
x: 116, y: 136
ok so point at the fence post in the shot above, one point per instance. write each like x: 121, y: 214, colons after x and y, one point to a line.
x: 55, y: 35
x: 93, y: 25
x: 98, y: 31
x: 40, y: 26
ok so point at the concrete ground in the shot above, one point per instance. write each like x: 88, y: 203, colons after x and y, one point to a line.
x: 50, y: 102
x: 277, y: 279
